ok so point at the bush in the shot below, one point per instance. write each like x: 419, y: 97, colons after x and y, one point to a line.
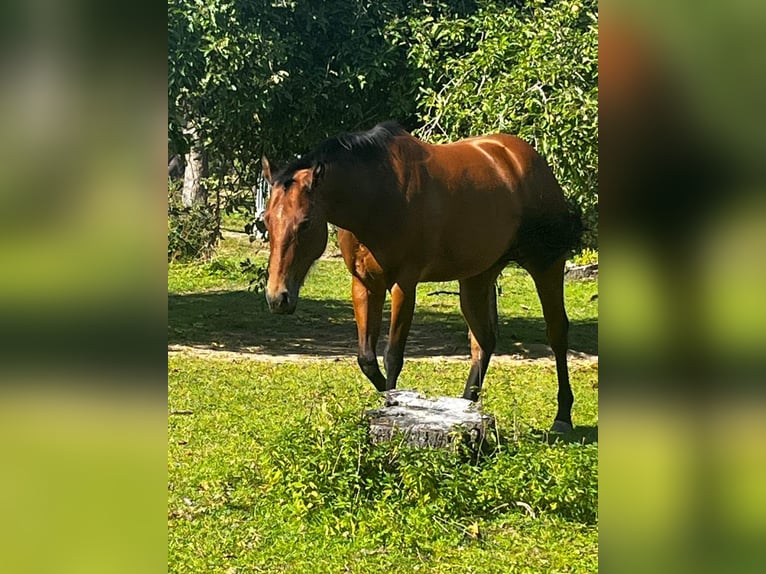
x: 256, y: 274
x: 586, y: 257
x: 192, y: 231
x: 529, y: 70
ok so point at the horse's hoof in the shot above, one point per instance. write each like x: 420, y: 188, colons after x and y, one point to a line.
x: 561, y: 427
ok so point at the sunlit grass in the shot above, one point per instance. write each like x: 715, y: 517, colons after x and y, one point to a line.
x: 224, y: 512
x: 265, y: 463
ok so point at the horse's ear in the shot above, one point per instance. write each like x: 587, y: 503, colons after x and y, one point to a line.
x: 266, y: 168
x: 319, y: 170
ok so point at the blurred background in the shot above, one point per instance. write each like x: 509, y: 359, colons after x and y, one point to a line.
x: 682, y: 321
x: 682, y: 238
x: 82, y: 296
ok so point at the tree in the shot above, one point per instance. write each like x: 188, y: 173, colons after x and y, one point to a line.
x: 279, y: 76
x: 531, y: 71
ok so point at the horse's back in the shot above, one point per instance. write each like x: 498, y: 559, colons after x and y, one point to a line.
x: 483, y: 196
x: 505, y: 164
x: 471, y: 205
x: 548, y: 226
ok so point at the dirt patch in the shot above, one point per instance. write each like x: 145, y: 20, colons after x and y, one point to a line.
x: 239, y: 323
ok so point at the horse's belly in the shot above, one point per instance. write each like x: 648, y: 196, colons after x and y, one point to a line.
x: 454, y: 268
x: 465, y: 247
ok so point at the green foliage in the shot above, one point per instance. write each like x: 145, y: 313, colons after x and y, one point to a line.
x: 278, y: 77
x: 324, y: 468
x: 586, y: 257
x: 266, y: 474
x: 192, y: 231
x: 531, y: 71
x: 333, y: 246
x: 257, y: 274
x: 218, y: 271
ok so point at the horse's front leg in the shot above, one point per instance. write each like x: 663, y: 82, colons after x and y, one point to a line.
x: 368, y: 297
x: 402, y: 309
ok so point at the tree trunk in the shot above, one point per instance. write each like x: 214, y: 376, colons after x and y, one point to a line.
x: 176, y: 167
x: 194, y: 191
x: 442, y: 422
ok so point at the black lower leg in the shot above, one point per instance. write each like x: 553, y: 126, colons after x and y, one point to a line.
x: 394, y: 361
x: 369, y: 365
x: 473, y: 384
x: 565, y: 398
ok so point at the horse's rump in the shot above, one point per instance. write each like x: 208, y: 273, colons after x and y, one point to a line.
x: 542, y: 237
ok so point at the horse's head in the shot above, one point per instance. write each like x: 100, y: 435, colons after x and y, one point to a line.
x: 297, y: 233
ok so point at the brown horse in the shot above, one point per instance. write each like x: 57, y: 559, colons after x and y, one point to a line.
x: 407, y: 212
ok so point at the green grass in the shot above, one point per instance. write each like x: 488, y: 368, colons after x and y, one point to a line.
x: 209, y: 305
x: 246, y: 465
x: 269, y: 469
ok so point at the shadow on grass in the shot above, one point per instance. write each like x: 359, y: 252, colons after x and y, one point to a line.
x: 240, y: 321
x: 579, y: 435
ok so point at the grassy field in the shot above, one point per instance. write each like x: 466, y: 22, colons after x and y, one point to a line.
x: 269, y: 469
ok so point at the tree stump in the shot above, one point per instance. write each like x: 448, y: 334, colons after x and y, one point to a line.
x: 441, y: 422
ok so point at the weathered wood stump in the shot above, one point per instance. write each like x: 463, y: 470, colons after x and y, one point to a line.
x: 441, y: 422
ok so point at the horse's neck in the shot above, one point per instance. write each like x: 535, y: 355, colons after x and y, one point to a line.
x: 371, y: 210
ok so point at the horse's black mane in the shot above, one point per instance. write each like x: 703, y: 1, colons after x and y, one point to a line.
x: 369, y: 146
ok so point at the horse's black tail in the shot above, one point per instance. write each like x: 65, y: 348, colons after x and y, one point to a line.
x: 546, y: 237
x: 573, y: 228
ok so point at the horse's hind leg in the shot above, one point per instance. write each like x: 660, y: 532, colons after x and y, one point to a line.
x: 550, y: 289
x: 368, y: 311
x: 478, y: 301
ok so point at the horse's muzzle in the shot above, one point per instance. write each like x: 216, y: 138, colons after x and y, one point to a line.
x: 281, y: 304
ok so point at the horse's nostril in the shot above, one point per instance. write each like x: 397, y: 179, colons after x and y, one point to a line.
x: 282, y: 301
